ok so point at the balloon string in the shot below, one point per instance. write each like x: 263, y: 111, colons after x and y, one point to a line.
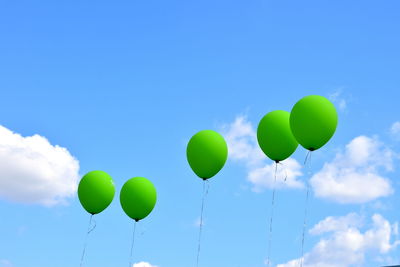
x: 307, y: 157
x: 205, y: 193
x: 307, y: 160
x: 90, y: 229
x: 93, y: 227
x: 284, y: 168
x: 133, y: 243
x: 271, y: 217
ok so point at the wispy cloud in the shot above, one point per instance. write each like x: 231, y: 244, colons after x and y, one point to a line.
x: 34, y: 171
x: 338, y: 99
x: 243, y: 148
x: 198, y: 222
x: 332, y: 224
x: 395, y: 130
x: 5, y: 263
x: 143, y: 264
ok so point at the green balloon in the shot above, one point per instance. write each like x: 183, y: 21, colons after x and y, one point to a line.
x: 313, y: 121
x: 138, y: 197
x: 275, y: 137
x: 96, y: 191
x: 206, y: 153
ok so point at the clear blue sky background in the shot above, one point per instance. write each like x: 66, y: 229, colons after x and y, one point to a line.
x: 124, y: 84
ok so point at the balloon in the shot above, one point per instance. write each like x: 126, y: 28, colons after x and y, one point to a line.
x: 206, y: 153
x: 275, y: 137
x: 96, y: 191
x: 313, y: 121
x: 138, y: 197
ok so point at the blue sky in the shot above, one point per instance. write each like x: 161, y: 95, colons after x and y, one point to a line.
x: 122, y: 87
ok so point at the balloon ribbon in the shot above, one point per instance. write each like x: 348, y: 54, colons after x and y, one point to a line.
x: 205, y: 193
x: 90, y: 229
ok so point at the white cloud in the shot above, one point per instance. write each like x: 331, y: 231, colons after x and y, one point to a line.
x: 34, y: 171
x: 242, y: 142
x: 264, y: 177
x: 241, y: 138
x: 395, y: 130
x: 345, y: 244
x: 330, y: 224
x: 395, y: 229
x: 355, y: 175
x: 143, y: 264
